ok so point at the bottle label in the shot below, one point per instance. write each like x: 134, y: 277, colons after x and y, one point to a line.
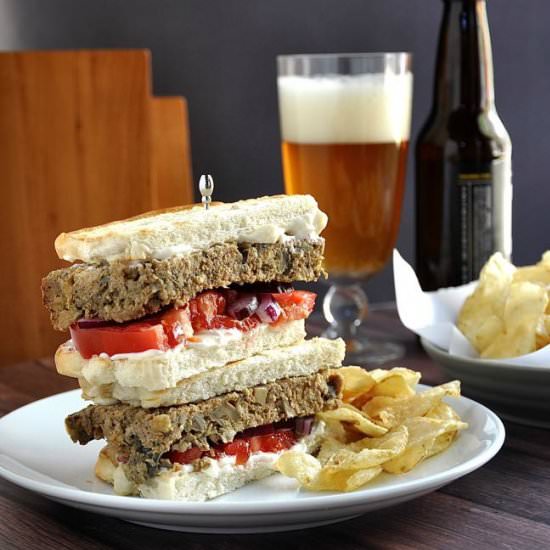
x: 476, y: 222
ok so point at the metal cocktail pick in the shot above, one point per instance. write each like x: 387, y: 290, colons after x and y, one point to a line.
x: 206, y: 187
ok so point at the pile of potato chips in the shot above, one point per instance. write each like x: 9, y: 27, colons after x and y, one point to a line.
x: 383, y: 425
x: 508, y: 314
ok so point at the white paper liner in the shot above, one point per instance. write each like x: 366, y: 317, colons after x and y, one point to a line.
x: 432, y: 315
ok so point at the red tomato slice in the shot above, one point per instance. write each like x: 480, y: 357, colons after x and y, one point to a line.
x: 174, y: 326
x: 184, y: 457
x: 295, y: 305
x: 272, y: 443
x: 279, y: 441
x: 266, y: 439
x: 130, y: 338
x: 162, y: 331
x: 204, y: 307
x: 239, y: 448
x: 256, y: 443
x: 177, y: 325
x: 223, y: 321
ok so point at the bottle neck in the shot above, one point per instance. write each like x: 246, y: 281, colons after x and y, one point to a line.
x: 464, y: 68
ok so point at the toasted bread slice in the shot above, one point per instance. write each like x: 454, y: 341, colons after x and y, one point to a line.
x: 155, y: 370
x: 162, y: 234
x: 302, y: 359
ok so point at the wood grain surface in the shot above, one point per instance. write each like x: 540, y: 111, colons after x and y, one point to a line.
x: 171, y: 153
x: 81, y: 143
x: 504, y: 505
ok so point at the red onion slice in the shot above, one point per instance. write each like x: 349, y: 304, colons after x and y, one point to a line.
x: 244, y: 306
x: 304, y: 426
x: 94, y: 323
x: 269, y: 310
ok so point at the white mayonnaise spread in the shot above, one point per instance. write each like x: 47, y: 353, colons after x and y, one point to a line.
x: 308, y: 227
x: 216, y: 467
x: 206, y: 339
x: 216, y: 477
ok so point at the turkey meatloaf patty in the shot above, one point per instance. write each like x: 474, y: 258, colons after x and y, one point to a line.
x: 143, y: 436
x: 126, y: 290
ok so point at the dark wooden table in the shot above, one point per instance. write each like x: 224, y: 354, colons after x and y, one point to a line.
x: 505, y: 504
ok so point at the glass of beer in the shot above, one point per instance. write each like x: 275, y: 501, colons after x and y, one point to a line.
x: 345, y: 124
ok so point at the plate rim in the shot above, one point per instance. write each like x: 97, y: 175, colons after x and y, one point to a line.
x: 472, y: 361
x: 255, y: 507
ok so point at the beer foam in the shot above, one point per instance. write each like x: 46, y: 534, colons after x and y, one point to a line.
x: 372, y: 108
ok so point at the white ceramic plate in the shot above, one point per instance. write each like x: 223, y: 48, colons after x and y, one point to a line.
x: 37, y: 454
x: 517, y: 393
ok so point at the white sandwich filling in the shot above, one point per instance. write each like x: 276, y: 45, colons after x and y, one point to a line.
x: 216, y: 476
x: 307, y: 228
x: 155, y: 370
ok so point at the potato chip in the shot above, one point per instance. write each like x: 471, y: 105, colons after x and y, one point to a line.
x: 524, y: 309
x: 337, y: 430
x: 348, y: 413
x: 344, y: 480
x: 332, y: 481
x: 423, y: 429
x: 390, y: 412
x: 508, y: 314
x: 378, y: 451
x: 542, y: 334
x: 361, y: 386
x: 393, y: 386
x: 442, y: 411
x: 394, y: 440
x: 361, y: 477
x: 301, y: 466
x: 545, y: 259
x: 357, y: 381
x: 485, y: 332
x: 406, y: 461
x: 374, y: 404
x: 480, y: 318
x: 411, y: 377
x: 538, y: 274
x: 396, y: 430
x: 442, y: 442
x: 329, y: 446
x: 346, y: 468
x: 427, y: 436
x: 309, y: 474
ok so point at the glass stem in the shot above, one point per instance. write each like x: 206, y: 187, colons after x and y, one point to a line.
x: 345, y: 306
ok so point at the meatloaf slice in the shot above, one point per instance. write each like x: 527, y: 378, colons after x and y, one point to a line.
x: 144, y: 435
x: 127, y: 290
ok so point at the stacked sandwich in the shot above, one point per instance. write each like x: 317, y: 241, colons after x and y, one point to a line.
x: 187, y: 335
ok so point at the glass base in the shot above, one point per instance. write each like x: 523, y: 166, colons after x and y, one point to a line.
x: 361, y: 350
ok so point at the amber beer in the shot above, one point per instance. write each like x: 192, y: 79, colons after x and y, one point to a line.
x: 345, y: 142
x: 360, y: 186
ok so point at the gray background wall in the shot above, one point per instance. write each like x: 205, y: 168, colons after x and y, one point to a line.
x: 220, y: 55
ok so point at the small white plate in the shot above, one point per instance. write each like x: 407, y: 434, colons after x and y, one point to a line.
x: 37, y: 454
x: 517, y: 393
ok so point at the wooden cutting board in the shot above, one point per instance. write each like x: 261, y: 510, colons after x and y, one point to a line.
x: 82, y: 142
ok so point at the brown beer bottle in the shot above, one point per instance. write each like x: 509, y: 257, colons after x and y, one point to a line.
x: 463, y: 158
